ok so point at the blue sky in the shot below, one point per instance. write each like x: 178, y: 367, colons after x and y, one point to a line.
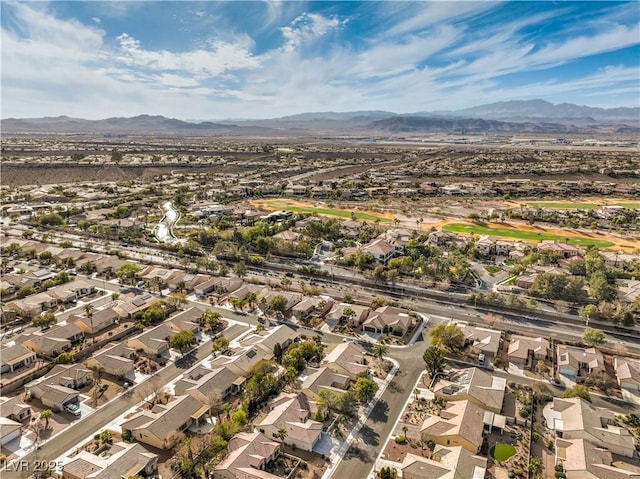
x: 214, y: 60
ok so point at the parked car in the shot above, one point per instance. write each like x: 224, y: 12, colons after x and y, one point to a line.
x: 73, y: 408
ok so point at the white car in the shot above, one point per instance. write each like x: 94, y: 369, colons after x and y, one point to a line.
x: 73, y: 408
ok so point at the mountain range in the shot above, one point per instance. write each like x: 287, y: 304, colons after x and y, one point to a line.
x: 530, y: 116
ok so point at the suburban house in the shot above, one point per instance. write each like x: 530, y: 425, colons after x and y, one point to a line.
x: 312, y: 305
x: 9, y: 430
x: 312, y: 381
x: 242, y: 361
x: 14, y: 409
x: 388, y: 319
x: 188, y: 319
x: 282, y: 334
x: 290, y: 412
x: 292, y: 298
x: 220, y: 285
x: 248, y: 455
x: 99, y: 321
x: 16, y: 357
x: 566, y: 250
x: 129, y: 306
x: 475, y: 385
x: 628, y: 290
x: 452, y: 462
x: 481, y: 340
x: 524, y: 350
x: 628, y: 373
x: 153, y: 342
x: 348, y: 359
x: 59, y: 387
x: 337, y: 314
x: 575, y: 418
x: 52, y: 342
x: 117, y: 360
x: 582, y: 459
x: 156, y: 426
x: 71, y: 292
x: 382, y: 250
x: 577, y: 362
x: 460, y: 423
x: 206, y: 384
x: 33, y: 305
x: 121, y: 460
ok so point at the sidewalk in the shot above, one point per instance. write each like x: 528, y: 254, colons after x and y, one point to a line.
x: 336, y: 456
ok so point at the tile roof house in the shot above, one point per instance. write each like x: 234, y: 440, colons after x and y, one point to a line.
x: 382, y: 250
x: 460, y: 423
x: 291, y: 412
x: 475, y: 385
x: 581, y: 459
x: 446, y: 463
x: 481, y: 340
x: 99, y: 321
x: 153, y: 342
x: 524, y: 350
x: 388, y: 319
x: 205, y: 384
x: 578, y: 362
x: 337, y: 313
x: 313, y: 381
x: 52, y: 342
x: 155, y: 427
x: 628, y: 373
x: 575, y: 418
x: 121, y: 460
x: 242, y: 361
x: 14, y: 409
x: 16, y: 357
x: 59, y: 386
x: 248, y: 455
x: 348, y: 359
x: 117, y: 360
x: 9, y: 430
x: 565, y: 249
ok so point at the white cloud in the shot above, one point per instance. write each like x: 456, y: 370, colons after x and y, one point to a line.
x: 220, y: 58
x: 96, y: 19
x: 306, y: 28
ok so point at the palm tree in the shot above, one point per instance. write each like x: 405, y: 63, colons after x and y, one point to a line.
x: 379, y: 351
x: 88, y: 311
x: 282, y: 434
x: 46, y: 415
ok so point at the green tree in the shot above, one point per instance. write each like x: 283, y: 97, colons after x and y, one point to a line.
x: 535, y: 466
x: 278, y: 303
x: 88, y: 311
x: 365, y: 389
x: 434, y: 361
x: 281, y: 434
x: 127, y: 272
x: 593, y: 337
x: 44, y: 320
x: 578, y: 391
x: 347, y: 403
x: 448, y: 336
x: 46, y: 415
x: 600, y: 289
x: 64, y: 358
x: 182, y: 340
x: 220, y: 344
x: 240, y: 269
x: 212, y: 319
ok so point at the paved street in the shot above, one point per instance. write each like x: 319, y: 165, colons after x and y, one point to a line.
x: 360, y: 457
x: 76, y: 433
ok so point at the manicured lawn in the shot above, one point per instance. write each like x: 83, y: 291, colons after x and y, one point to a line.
x: 502, y: 451
x: 285, y: 205
x: 523, y: 234
x: 571, y: 205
